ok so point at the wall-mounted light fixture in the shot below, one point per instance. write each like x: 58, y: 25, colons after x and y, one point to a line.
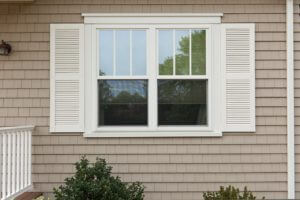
x: 5, y: 49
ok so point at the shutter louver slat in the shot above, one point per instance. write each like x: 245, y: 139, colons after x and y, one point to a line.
x: 67, y: 91
x: 238, y: 71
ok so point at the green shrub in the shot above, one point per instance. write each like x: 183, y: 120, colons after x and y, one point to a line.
x: 229, y: 193
x: 94, y: 181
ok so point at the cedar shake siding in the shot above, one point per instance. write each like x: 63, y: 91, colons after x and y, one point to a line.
x: 170, y: 168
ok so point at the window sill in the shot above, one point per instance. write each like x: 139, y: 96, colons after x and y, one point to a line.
x: 152, y: 134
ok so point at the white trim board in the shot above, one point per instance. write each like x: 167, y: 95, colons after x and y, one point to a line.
x: 152, y: 18
x: 290, y: 98
x: 152, y: 14
x: 153, y: 134
x: 92, y: 129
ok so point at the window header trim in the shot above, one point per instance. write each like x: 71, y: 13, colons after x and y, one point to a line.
x: 152, y: 18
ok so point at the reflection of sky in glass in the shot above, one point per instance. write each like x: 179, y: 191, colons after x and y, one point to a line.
x: 130, y: 86
x: 165, y: 45
x: 120, y: 45
x: 179, y: 35
x: 139, y: 52
x: 106, y: 52
x: 182, y: 52
x: 122, y: 52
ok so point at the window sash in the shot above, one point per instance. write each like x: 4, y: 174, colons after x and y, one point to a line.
x: 173, y: 32
x: 152, y: 77
x: 114, y: 52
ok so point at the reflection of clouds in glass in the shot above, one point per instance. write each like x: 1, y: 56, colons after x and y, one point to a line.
x: 122, y: 52
x: 139, y: 52
x: 106, y: 52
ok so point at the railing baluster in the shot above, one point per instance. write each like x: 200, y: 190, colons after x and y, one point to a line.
x: 18, y: 160
x: 13, y: 163
x: 15, y: 157
x: 26, y: 158
x: 9, y: 165
x: 29, y: 155
x: 22, y: 160
x: 4, y: 143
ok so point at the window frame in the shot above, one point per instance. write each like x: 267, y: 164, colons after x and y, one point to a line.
x: 153, y: 130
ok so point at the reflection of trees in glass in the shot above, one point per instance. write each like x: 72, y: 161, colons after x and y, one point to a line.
x: 182, y: 56
x: 123, y: 102
x: 182, y: 102
x: 102, y: 73
x: 130, y: 91
x: 198, y: 52
x: 105, y: 94
x: 182, y: 91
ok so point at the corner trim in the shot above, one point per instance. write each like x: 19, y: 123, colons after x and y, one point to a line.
x: 290, y: 98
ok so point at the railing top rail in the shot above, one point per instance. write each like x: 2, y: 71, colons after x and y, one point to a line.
x: 16, y: 128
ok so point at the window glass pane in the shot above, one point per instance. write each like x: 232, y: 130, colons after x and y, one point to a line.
x: 165, y: 49
x: 139, y: 53
x: 123, y: 102
x: 198, y: 52
x: 182, y: 102
x: 182, y: 45
x: 122, y: 52
x: 106, y: 52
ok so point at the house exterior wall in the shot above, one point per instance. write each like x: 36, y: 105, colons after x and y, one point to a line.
x: 170, y: 168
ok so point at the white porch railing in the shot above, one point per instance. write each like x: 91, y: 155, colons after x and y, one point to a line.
x: 15, y: 162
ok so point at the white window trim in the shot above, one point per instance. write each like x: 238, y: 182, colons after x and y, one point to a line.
x: 152, y: 18
x: 152, y: 22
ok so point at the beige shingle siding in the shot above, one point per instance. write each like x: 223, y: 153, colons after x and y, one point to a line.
x: 171, y: 168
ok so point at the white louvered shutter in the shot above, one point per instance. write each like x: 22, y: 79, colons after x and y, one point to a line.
x: 66, y: 78
x: 238, y: 77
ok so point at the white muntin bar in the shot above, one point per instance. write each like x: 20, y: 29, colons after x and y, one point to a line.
x: 130, y: 52
x: 114, y: 52
x: 174, y: 52
x: 190, y: 52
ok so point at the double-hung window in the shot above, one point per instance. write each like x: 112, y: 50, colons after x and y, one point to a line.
x: 152, y: 75
x: 122, y: 77
x: 153, y: 78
